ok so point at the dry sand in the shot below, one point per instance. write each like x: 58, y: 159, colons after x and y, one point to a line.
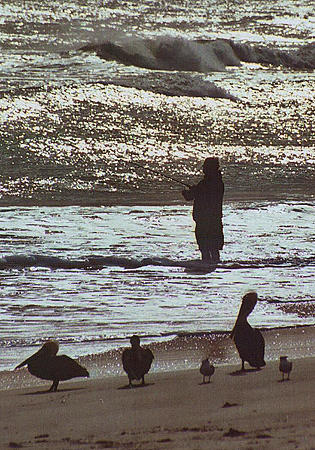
x: 173, y: 411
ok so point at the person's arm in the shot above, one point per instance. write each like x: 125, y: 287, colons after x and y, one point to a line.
x: 189, y: 194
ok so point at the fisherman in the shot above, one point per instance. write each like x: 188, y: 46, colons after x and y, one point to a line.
x: 207, y: 210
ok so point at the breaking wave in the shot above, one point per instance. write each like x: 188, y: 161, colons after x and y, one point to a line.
x: 180, y: 54
x: 98, y: 262
x: 301, y: 59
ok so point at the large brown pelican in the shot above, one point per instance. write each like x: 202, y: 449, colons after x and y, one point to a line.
x: 136, y: 360
x: 206, y: 370
x: 249, y: 341
x: 45, y: 364
x: 285, y: 366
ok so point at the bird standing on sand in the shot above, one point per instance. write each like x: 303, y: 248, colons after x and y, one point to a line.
x: 285, y: 366
x: 45, y: 364
x: 249, y: 341
x: 206, y: 370
x: 136, y: 360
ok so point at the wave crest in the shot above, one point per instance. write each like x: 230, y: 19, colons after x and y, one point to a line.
x: 98, y: 262
x: 181, y: 54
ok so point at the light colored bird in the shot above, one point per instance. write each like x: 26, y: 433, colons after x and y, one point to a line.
x: 206, y: 370
x: 45, y: 364
x: 249, y: 341
x: 285, y: 366
x: 136, y: 360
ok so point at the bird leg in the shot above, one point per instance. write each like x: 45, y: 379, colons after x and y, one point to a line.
x: 130, y: 383
x: 243, y: 366
x: 143, y: 382
x: 54, y: 386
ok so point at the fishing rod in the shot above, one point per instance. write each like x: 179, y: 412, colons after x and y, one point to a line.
x: 160, y: 174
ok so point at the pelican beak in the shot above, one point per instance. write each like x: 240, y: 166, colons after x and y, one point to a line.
x: 28, y: 360
x: 238, y: 320
x: 242, y: 314
x: 24, y: 363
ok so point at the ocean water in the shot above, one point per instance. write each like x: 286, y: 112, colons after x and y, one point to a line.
x: 94, y: 247
x: 82, y: 275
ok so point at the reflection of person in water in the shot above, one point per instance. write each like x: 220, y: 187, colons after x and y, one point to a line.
x: 207, y: 210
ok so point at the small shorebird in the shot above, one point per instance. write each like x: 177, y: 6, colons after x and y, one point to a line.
x: 136, y: 360
x: 285, y: 366
x: 249, y: 341
x: 45, y: 364
x: 206, y: 370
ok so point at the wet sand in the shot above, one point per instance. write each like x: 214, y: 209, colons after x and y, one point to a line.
x: 235, y: 411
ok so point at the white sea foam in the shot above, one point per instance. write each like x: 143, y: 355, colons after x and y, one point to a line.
x: 181, y: 54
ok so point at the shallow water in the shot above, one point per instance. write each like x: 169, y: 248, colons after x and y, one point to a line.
x: 269, y: 247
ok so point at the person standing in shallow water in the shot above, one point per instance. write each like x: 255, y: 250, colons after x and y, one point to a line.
x: 207, y: 210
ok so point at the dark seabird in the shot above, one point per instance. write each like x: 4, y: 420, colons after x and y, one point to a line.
x: 285, y: 366
x: 206, y: 370
x: 45, y: 364
x: 136, y: 360
x: 249, y: 341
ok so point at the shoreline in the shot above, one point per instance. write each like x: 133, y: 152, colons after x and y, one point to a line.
x: 174, y: 410
x: 183, y: 352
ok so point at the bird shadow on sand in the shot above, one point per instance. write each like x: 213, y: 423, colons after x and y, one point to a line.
x: 204, y: 384
x: 283, y: 381
x: 50, y: 392
x: 135, y: 386
x: 240, y: 372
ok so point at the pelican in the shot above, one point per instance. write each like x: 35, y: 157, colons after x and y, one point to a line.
x: 206, y: 370
x: 136, y: 360
x: 285, y: 366
x: 45, y: 364
x: 249, y: 341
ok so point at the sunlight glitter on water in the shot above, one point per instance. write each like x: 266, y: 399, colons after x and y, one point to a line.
x: 112, y: 302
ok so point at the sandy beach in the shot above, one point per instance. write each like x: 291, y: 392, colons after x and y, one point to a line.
x: 255, y: 410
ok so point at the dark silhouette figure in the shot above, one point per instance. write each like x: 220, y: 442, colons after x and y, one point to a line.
x: 207, y: 210
x: 206, y: 370
x: 136, y: 360
x: 46, y: 365
x: 285, y: 366
x: 249, y: 341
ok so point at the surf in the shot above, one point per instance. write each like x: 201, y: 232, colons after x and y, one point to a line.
x: 98, y: 262
x: 176, y: 53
